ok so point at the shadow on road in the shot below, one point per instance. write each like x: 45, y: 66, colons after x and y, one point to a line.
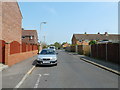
x: 35, y: 64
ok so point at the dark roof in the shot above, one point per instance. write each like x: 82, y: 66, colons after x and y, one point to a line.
x: 96, y: 36
x: 29, y: 32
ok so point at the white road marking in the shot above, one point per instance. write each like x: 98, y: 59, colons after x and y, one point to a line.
x: 38, y: 80
x: 23, y: 79
x: 46, y: 74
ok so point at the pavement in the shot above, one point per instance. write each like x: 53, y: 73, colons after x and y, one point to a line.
x: 3, y: 67
x: 113, y: 67
x: 13, y: 75
x: 71, y: 72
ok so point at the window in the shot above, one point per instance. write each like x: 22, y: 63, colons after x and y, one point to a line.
x: 31, y: 37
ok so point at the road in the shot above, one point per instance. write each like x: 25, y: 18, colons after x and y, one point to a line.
x: 71, y: 72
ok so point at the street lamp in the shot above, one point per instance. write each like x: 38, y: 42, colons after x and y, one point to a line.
x: 41, y: 25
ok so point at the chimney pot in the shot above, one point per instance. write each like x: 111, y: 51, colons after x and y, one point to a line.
x: 98, y: 32
x: 106, y: 33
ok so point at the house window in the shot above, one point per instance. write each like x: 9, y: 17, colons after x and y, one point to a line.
x: 23, y: 37
x: 31, y: 37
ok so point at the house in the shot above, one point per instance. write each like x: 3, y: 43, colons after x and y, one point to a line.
x: 84, y: 39
x: 30, y: 36
x: 10, y: 25
x: 65, y: 45
x: 11, y: 18
x: 12, y: 50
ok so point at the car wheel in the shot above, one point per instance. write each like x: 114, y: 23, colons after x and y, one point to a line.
x: 36, y: 65
x: 56, y: 64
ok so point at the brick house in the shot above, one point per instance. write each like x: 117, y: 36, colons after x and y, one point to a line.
x: 11, y: 22
x: 65, y: 45
x: 12, y: 50
x: 84, y: 39
x: 30, y: 36
x: 10, y: 25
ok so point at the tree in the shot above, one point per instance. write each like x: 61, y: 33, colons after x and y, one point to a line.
x: 64, y: 43
x: 92, y: 42
x: 57, y: 45
x: 44, y: 45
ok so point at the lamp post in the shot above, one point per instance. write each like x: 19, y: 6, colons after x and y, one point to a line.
x: 41, y: 26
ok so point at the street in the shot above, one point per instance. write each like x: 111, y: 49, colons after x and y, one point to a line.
x: 71, y: 72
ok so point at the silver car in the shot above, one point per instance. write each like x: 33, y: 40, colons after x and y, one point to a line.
x: 47, y: 57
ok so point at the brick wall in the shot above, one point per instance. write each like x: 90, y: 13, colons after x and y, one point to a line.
x: 11, y: 22
x: 0, y: 20
x: 14, y: 55
x: 74, y: 41
x: 16, y: 58
x: 2, y: 51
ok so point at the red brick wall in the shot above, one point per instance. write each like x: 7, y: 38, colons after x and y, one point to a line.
x: 16, y: 58
x: 24, y: 47
x: 74, y: 41
x: 11, y: 59
x: 11, y: 22
x: 0, y: 20
x: 14, y: 47
x: 2, y: 51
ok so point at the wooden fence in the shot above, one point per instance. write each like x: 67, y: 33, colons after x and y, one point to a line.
x: 108, y: 52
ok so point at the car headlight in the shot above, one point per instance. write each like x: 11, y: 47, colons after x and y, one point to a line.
x: 54, y: 58
x: 39, y: 59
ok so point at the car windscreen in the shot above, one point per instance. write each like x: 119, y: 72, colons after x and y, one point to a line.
x: 51, y: 47
x: 47, y: 52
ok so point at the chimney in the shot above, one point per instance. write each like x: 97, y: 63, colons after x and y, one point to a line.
x: 106, y: 33
x: 98, y: 32
x: 85, y: 33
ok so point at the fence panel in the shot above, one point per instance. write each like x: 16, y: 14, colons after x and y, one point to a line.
x: 36, y: 47
x: 101, y: 51
x: 14, y: 47
x: 28, y: 47
x: 113, y: 52
x: 80, y: 49
x: 94, y: 50
x: 2, y: 51
x: 72, y: 48
x: 23, y: 47
x: 68, y: 49
x: 86, y: 50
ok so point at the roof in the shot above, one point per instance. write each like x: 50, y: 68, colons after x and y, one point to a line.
x: 96, y: 36
x: 19, y: 9
x: 29, y: 32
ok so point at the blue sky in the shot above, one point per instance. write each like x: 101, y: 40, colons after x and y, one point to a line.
x: 67, y: 18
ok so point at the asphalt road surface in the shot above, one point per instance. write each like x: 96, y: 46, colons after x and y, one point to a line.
x: 71, y: 72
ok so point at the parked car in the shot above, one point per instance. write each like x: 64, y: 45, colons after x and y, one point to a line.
x: 47, y: 57
x: 52, y: 47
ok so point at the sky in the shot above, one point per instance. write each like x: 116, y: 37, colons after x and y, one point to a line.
x: 67, y: 18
